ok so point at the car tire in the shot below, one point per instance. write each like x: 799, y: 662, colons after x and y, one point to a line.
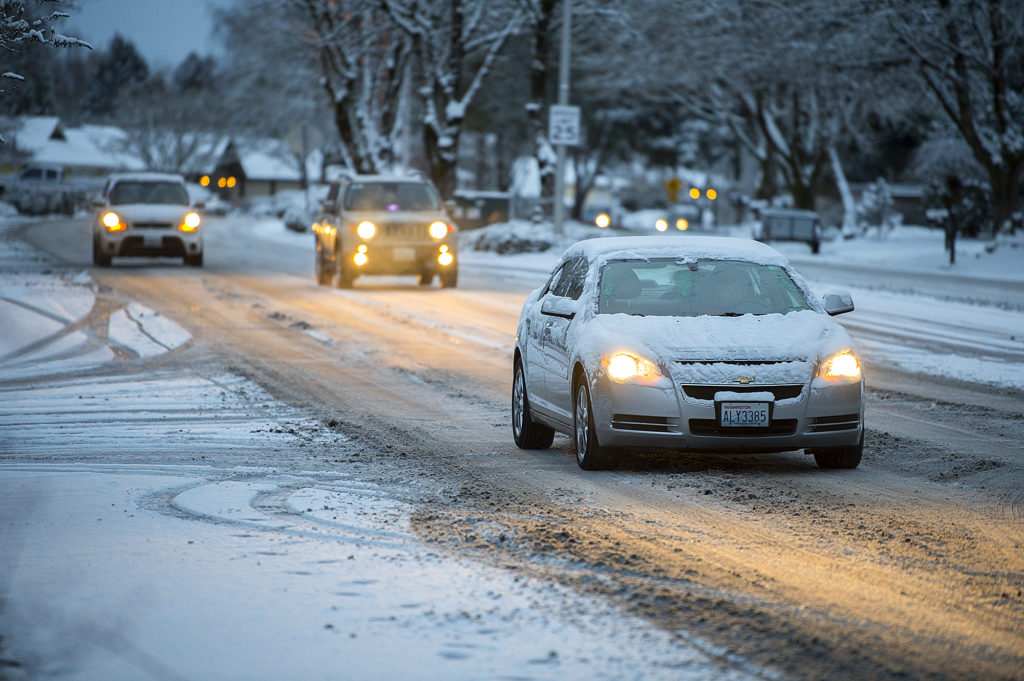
x: 589, y: 454
x: 525, y: 431
x: 449, y: 278
x: 426, y: 278
x: 324, y: 274
x: 840, y: 457
x: 99, y: 257
x: 194, y: 260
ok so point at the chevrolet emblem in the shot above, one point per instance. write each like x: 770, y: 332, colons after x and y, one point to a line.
x: 743, y: 379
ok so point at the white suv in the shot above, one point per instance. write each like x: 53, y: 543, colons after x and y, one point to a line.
x: 146, y: 214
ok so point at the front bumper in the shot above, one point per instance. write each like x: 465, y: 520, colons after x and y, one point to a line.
x: 150, y: 243
x: 384, y: 258
x: 683, y: 416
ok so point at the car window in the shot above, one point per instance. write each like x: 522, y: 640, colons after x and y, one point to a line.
x: 556, y: 279
x: 139, y: 191
x: 575, y: 278
x: 702, y: 287
x: 392, y: 196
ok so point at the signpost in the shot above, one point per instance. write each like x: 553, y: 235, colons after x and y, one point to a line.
x: 568, y: 124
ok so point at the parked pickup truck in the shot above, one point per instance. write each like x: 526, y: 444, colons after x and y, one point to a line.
x: 38, y: 190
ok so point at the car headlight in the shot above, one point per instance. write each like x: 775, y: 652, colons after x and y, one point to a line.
x: 366, y: 229
x: 843, y: 364
x: 438, y: 229
x: 190, y: 223
x: 602, y: 220
x: 624, y: 366
x: 112, y: 221
x: 661, y: 224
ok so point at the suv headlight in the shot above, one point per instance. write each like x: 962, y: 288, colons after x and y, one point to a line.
x: 438, y: 229
x: 112, y: 221
x: 366, y: 229
x: 190, y: 223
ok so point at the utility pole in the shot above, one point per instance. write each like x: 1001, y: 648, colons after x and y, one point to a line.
x: 563, y: 100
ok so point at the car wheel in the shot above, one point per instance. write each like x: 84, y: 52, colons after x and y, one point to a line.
x: 840, y: 457
x: 324, y: 274
x: 526, y: 433
x: 449, y: 278
x: 194, y: 260
x: 589, y: 455
x: 99, y: 258
x: 426, y: 278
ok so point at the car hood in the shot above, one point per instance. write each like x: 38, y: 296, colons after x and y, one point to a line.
x: 134, y: 212
x: 794, y: 337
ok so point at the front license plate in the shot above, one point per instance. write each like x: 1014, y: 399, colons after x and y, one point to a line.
x: 403, y: 254
x: 152, y: 240
x: 744, y: 415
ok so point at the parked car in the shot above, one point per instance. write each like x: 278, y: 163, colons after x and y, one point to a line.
x: 146, y: 214
x: 781, y: 224
x: 704, y: 343
x: 385, y: 224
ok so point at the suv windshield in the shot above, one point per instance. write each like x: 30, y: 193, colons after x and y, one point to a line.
x: 391, y: 196
x: 131, y: 191
x: 668, y: 288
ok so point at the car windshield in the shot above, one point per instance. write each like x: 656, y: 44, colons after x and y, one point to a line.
x: 391, y: 196
x: 131, y: 191
x: 669, y: 288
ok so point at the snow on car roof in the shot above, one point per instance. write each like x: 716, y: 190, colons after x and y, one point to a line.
x: 148, y: 177
x: 685, y: 247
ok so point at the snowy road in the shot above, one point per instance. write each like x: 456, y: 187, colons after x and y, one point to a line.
x: 672, y: 567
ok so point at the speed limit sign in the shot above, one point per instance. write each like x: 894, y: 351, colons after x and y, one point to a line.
x: 564, y: 125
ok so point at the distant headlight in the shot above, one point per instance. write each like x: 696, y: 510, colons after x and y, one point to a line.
x: 366, y: 229
x: 843, y: 364
x: 112, y: 221
x: 661, y: 224
x: 438, y: 229
x: 190, y: 223
x: 623, y: 367
x: 602, y: 220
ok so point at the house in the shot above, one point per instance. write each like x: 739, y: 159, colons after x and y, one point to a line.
x: 86, y: 152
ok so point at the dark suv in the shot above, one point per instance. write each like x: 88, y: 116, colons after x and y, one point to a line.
x: 385, y: 224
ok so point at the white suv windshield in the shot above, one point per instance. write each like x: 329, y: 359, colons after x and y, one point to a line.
x: 131, y: 191
x: 392, y: 196
x: 668, y: 288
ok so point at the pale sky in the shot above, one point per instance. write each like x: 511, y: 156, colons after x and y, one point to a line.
x: 163, y: 31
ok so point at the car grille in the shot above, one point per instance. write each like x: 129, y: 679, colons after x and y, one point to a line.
x: 711, y: 427
x: 825, y: 424
x: 650, y: 424
x: 411, y: 231
x: 707, y: 392
x: 152, y: 225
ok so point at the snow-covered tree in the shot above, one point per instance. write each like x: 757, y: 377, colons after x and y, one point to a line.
x: 969, y: 57
x: 453, y: 45
x: 25, y: 23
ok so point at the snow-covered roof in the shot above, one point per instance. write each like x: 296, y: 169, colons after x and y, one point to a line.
x: 267, y: 160
x: 677, y: 246
x: 148, y: 177
x: 49, y: 143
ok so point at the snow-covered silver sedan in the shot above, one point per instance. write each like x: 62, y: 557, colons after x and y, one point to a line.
x: 697, y: 343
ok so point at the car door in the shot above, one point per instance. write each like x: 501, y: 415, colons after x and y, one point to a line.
x: 558, y: 354
x: 534, y: 324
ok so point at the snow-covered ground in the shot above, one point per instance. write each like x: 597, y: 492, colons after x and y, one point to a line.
x: 142, y: 535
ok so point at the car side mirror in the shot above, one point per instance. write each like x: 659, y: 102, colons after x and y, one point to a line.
x: 98, y: 203
x: 837, y: 302
x: 558, y: 306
